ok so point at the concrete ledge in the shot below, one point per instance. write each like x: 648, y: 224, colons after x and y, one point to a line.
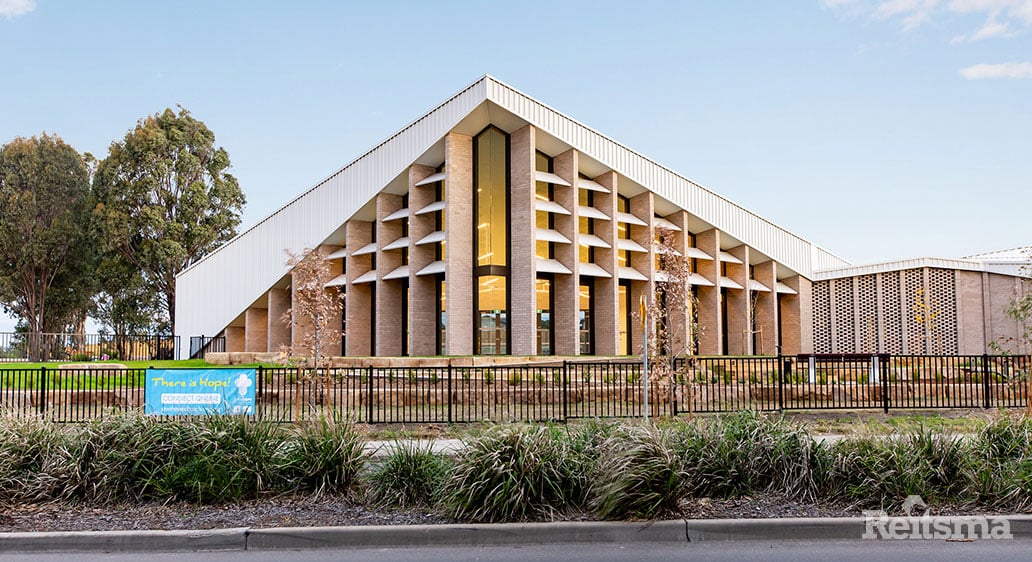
x: 466, y: 535
x: 125, y: 541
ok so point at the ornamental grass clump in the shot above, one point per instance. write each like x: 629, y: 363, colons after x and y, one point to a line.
x: 746, y: 453
x: 639, y: 475
x: 215, y: 459
x: 410, y: 475
x: 35, y: 461
x: 324, y: 455
x: 1001, y: 470
x: 882, y: 471
x: 510, y: 474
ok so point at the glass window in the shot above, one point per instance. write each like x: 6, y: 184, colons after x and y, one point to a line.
x: 492, y: 336
x: 544, y: 317
x: 624, y: 317
x: 585, y: 318
x: 492, y: 198
x: 442, y: 316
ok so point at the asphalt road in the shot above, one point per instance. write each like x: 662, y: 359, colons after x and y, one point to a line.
x: 738, y: 551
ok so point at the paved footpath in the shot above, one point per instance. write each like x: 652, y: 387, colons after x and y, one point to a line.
x: 506, y: 534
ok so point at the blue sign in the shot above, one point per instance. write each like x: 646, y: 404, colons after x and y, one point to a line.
x: 199, y: 392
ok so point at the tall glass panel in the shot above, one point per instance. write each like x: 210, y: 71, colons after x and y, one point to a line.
x: 493, y: 329
x: 492, y: 198
x: 442, y: 316
x: 585, y: 319
x: 623, y: 318
x: 544, y: 317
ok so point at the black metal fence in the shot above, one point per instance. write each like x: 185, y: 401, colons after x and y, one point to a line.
x: 200, y: 345
x: 26, y: 347
x: 560, y: 391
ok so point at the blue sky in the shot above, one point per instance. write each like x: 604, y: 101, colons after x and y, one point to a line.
x: 877, y: 129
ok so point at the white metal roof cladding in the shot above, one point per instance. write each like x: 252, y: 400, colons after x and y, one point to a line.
x: 1014, y: 269
x: 216, y: 289
x: 794, y: 252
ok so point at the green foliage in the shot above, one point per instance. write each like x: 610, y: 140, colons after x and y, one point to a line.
x: 745, y: 453
x: 165, y: 199
x: 510, y: 474
x: 640, y: 475
x: 323, y: 455
x: 411, y: 475
x: 46, y: 245
x: 514, y: 378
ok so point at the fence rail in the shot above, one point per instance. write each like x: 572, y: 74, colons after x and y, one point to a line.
x: 26, y: 347
x: 560, y: 391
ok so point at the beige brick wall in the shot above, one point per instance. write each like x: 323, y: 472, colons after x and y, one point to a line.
x: 522, y: 269
x: 797, y: 317
x: 423, y: 305
x: 256, y: 329
x: 566, y: 287
x: 606, y: 323
x: 642, y: 206
x: 360, y: 295
x: 709, y: 297
x: 971, y: 326
x: 278, y: 330
x: 459, y: 232
x: 235, y: 338
x: 766, y: 309
x: 739, y: 305
x: 678, y: 321
x: 390, y: 294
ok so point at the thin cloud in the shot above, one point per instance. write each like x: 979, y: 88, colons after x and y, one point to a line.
x: 14, y: 8
x: 990, y: 30
x: 1020, y: 70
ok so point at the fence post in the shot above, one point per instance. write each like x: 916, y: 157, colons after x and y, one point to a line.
x: 369, y: 409
x: 564, y: 388
x: 781, y: 381
x: 450, y: 394
x: 885, y: 387
x: 42, y: 406
x: 259, y: 393
x: 985, y: 382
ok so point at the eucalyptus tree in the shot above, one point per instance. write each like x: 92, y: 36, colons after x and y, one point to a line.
x: 46, y: 248
x: 165, y: 199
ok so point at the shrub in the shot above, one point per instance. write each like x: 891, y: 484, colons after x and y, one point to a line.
x: 410, y: 475
x: 35, y: 461
x: 744, y: 453
x: 509, y: 474
x: 639, y: 475
x: 323, y: 455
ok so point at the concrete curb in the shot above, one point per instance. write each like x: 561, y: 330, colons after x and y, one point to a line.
x: 402, y: 536
x: 125, y: 541
x: 467, y: 535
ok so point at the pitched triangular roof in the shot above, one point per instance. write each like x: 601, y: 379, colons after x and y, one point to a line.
x: 215, y: 290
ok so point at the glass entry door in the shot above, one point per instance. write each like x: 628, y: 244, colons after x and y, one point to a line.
x: 493, y: 332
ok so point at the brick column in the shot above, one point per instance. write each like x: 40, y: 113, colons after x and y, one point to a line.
x: 302, y: 327
x: 390, y: 294
x: 458, y: 223
x: 235, y: 338
x: 566, y: 288
x: 766, y: 310
x: 739, y: 304
x: 797, y: 317
x: 678, y: 315
x: 423, y: 304
x: 256, y: 329
x: 278, y: 330
x: 710, y: 322
x: 642, y: 206
x: 607, y: 333
x: 331, y: 348
x: 359, y: 308
x: 522, y: 265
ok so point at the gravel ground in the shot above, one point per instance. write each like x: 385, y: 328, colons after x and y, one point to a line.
x: 333, y: 511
